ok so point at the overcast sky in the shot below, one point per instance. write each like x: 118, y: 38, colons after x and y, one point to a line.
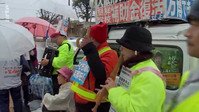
x: 18, y: 8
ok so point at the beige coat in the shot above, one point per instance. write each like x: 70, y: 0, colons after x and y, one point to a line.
x: 64, y: 100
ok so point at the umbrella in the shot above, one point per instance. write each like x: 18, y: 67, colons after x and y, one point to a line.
x: 15, y: 40
x: 57, y: 6
x: 38, y: 27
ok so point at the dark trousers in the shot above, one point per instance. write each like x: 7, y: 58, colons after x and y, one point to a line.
x: 104, y: 107
x: 16, y: 97
x: 25, y: 94
x: 55, y: 84
x: 25, y: 83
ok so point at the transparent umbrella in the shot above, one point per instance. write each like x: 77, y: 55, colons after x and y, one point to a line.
x: 15, y: 40
x: 56, y: 6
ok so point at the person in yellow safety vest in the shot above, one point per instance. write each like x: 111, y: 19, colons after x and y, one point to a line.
x: 64, y: 58
x: 101, y: 61
x: 187, y: 98
x: 140, y: 87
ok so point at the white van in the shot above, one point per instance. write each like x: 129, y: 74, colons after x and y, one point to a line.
x: 169, y: 44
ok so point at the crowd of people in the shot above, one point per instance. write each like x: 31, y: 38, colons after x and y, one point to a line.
x: 140, y: 87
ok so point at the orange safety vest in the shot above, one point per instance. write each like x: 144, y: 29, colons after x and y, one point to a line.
x: 85, y: 93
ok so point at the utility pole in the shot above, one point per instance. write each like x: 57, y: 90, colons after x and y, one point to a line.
x: 4, y: 10
x: 68, y: 2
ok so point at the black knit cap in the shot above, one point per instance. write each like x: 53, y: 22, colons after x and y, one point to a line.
x: 137, y: 39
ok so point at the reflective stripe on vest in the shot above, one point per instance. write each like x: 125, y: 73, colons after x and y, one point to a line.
x: 83, y: 92
x: 151, y: 69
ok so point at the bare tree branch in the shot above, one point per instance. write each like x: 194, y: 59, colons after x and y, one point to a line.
x: 48, y: 16
x: 82, y: 9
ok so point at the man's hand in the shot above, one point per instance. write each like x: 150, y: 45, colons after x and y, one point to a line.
x: 110, y: 83
x: 44, y: 62
x: 85, y: 41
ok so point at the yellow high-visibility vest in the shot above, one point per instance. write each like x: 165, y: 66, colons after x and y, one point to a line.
x: 189, y: 103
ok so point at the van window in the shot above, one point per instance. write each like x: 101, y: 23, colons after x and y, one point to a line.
x: 169, y: 60
x: 116, y: 47
x: 79, y: 54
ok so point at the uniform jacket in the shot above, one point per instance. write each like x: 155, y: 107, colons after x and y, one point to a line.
x: 146, y: 92
x: 100, y: 67
x: 64, y: 58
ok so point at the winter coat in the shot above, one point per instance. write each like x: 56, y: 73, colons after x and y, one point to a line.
x: 101, y: 67
x: 146, y: 92
x: 62, y: 101
x: 64, y: 58
x: 10, y: 72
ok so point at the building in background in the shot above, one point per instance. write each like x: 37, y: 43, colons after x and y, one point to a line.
x: 4, y: 11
